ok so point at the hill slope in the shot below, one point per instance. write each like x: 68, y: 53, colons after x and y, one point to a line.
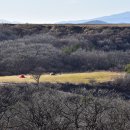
x: 96, y: 22
x: 117, y: 18
x: 113, y: 19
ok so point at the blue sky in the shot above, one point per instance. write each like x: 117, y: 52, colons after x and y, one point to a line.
x: 49, y: 11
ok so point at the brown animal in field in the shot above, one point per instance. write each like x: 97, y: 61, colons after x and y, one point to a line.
x: 22, y: 76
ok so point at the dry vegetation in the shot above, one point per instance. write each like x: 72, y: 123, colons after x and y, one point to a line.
x: 71, y: 100
x: 63, y: 48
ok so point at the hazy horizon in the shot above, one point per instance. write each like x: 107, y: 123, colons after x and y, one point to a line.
x: 48, y: 11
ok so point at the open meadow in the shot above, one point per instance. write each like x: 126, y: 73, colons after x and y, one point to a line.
x: 76, y: 78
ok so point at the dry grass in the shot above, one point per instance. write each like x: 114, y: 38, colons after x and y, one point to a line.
x: 102, y: 76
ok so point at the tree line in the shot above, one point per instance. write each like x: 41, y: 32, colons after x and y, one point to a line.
x: 88, y: 51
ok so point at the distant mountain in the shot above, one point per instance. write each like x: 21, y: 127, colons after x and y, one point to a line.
x: 96, y: 22
x: 4, y: 21
x: 117, y: 18
x: 113, y: 19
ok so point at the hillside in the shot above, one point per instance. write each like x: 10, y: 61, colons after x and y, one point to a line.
x: 117, y: 18
x: 96, y: 22
x: 63, y: 48
x: 64, y: 77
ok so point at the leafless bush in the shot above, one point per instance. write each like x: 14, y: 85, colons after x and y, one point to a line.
x: 48, y: 109
x: 123, y: 82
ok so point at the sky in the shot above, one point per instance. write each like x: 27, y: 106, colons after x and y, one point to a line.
x: 52, y: 11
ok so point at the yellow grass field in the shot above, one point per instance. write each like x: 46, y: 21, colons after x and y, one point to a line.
x: 101, y: 76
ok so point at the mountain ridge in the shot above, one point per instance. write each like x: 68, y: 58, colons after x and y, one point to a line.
x: 120, y: 18
x: 96, y: 22
x: 4, y: 21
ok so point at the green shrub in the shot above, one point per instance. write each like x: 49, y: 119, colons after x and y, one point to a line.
x: 70, y: 49
x: 127, y: 68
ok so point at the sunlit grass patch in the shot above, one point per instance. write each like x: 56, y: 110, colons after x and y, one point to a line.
x: 102, y: 76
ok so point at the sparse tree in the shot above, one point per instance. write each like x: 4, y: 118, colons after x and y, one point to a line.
x: 36, y: 75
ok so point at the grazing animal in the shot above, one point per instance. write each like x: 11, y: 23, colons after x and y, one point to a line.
x: 52, y: 73
x: 22, y: 76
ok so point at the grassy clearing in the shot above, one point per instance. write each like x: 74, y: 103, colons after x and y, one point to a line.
x: 76, y: 78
